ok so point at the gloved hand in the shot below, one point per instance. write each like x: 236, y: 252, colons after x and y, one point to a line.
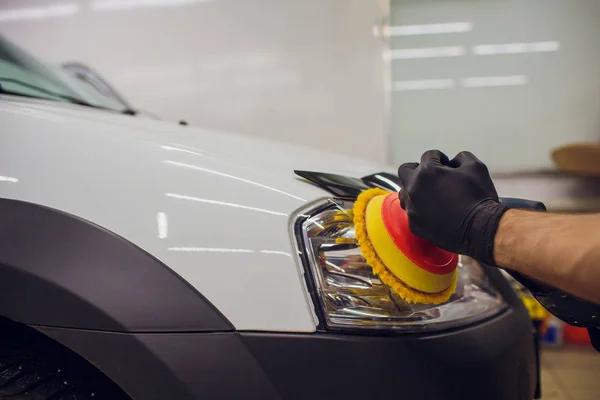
x: 452, y: 203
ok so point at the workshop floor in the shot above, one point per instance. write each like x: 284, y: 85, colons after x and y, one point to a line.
x: 571, y: 373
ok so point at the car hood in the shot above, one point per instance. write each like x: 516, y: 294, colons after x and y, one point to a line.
x: 213, y: 206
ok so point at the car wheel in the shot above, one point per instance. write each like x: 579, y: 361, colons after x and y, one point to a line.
x: 34, y: 367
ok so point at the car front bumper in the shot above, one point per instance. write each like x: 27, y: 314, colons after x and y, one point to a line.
x: 495, y: 359
x: 492, y: 360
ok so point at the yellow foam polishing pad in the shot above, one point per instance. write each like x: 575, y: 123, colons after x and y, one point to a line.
x: 417, y: 270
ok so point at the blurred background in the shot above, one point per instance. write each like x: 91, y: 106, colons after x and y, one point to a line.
x: 308, y: 72
x: 513, y: 81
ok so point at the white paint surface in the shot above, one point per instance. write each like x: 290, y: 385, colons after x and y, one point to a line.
x: 223, y: 226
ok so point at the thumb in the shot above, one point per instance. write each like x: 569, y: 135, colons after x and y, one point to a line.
x: 406, y: 173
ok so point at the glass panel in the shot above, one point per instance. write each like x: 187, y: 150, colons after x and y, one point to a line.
x: 508, y: 80
x: 352, y: 296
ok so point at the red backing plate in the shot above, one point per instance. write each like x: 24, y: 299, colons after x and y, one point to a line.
x: 421, y: 252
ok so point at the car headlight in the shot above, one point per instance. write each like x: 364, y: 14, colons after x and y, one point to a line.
x: 351, y: 296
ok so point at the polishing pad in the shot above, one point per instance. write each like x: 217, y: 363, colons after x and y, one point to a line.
x: 416, y: 269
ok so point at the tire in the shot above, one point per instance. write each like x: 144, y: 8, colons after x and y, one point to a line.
x: 34, y: 367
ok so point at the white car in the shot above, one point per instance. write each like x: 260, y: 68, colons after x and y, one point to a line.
x: 142, y: 259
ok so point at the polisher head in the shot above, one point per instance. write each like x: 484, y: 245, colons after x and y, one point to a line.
x: 414, y: 268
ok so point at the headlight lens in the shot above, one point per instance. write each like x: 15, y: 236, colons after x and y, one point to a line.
x: 351, y: 296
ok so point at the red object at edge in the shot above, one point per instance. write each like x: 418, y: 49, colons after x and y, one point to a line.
x: 576, y: 335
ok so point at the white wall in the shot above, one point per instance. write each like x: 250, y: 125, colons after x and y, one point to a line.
x: 555, y: 100
x: 301, y: 71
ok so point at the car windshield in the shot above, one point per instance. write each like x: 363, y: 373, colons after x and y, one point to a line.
x: 22, y: 74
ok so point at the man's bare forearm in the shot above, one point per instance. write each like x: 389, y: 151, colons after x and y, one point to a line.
x: 561, y: 250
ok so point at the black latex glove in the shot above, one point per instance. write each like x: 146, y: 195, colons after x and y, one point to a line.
x: 452, y: 203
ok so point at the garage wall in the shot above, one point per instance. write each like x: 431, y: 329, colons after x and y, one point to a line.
x: 536, y: 88
x: 308, y: 72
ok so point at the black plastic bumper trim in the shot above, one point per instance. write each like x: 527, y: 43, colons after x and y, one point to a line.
x: 493, y: 360
x: 57, y: 269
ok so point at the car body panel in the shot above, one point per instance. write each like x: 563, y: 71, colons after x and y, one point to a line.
x: 492, y: 360
x: 62, y: 271
x: 214, y: 207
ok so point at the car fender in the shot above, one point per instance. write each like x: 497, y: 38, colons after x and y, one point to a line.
x: 60, y: 270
